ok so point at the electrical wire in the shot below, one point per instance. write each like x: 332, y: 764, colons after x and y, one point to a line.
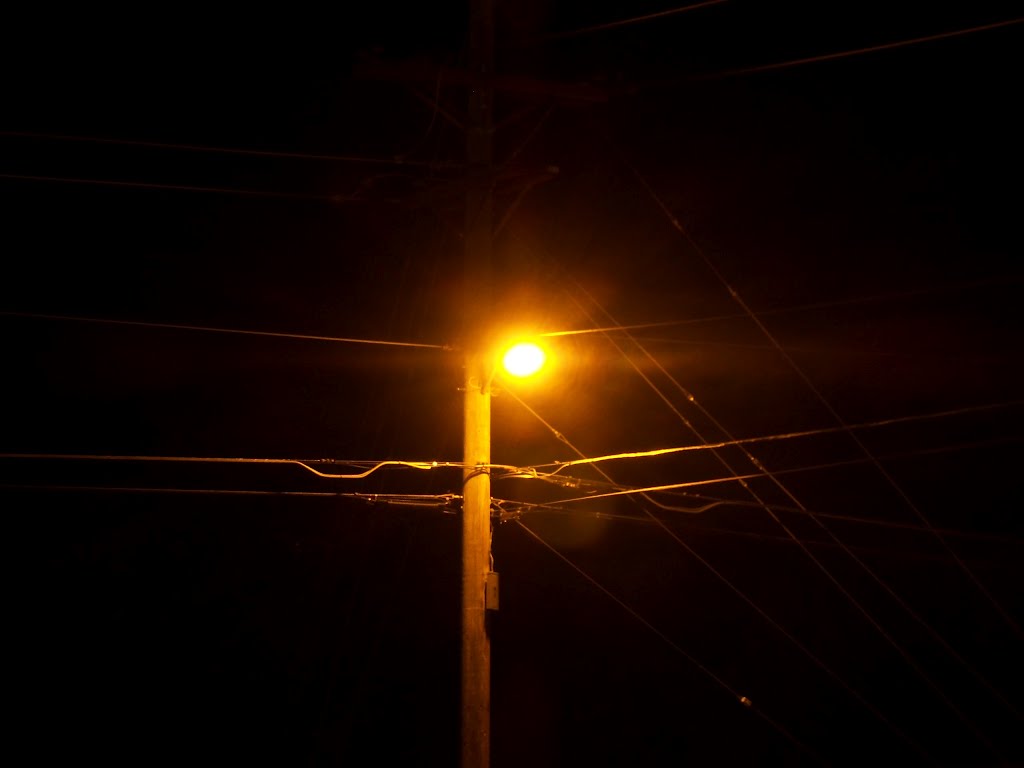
x: 397, y: 160
x: 741, y: 594
x: 911, y: 662
x: 856, y: 519
x: 179, y: 188
x: 524, y: 190
x: 614, y: 24
x: 714, y: 502
x: 627, y: 491
x: 743, y: 700
x: 530, y: 136
x: 553, y: 509
x: 908, y: 658
x: 392, y: 499
x: 674, y: 221
x: 350, y: 675
x: 948, y: 648
x: 303, y: 463
x: 853, y: 301
x: 665, y: 487
x: 731, y: 478
x: 435, y: 105
x: 925, y: 677
x: 798, y: 434
x: 506, y: 470
x: 856, y: 51
x: 831, y: 350
x: 208, y: 329
x: 638, y: 326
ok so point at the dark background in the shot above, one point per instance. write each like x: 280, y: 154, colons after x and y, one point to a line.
x: 866, y: 210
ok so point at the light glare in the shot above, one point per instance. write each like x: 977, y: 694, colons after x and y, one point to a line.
x: 523, y: 359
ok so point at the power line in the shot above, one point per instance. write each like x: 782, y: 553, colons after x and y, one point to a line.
x: 853, y: 301
x: 507, y: 508
x: 181, y: 188
x: 674, y: 221
x: 614, y: 24
x: 525, y: 142
x: 397, y: 160
x: 644, y: 492
x: 809, y: 468
x: 710, y: 481
x: 889, y: 590
x: 738, y: 592
x: 793, y: 435
x: 800, y: 509
x: 509, y: 470
x: 857, y: 519
x: 638, y: 326
x: 554, y: 509
x: 831, y: 350
x: 870, y: 458
x: 209, y: 329
x: 855, y: 51
x: 395, y: 499
x: 820, y: 565
x: 670, y: 642
x: 304, y: 464
x: 711, y: 502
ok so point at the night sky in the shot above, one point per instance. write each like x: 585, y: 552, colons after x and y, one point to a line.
x: 828, y: 243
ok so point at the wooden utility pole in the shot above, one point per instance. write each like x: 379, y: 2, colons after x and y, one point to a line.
x: 476, y: 479
x: 479, y: 585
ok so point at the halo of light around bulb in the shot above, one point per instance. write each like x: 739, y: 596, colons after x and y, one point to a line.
x: 523, y: 359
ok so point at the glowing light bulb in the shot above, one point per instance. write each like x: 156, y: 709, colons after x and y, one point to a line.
x: 523, y: 359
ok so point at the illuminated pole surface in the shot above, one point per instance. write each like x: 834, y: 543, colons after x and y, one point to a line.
x: 476, y: 483
x: 476, y: 539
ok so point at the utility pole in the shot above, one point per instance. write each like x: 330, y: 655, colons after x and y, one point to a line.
x: 479, y: 585
x: 476, y: 478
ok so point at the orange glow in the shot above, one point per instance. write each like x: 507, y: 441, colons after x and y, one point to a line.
x: 523, y: 359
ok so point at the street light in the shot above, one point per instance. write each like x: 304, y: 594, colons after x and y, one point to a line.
x: 523, y: 359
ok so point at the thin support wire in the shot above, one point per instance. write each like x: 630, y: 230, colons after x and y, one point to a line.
x: 741, y: 594
x: 175, y: 187
x: 787, y: 435
x: 971, y: 576
x: 304, y: 464
x: 209, y: 329
x: 911, y: 662
x: 856, y: 51
x: 741, y: 699
x: 397, y: 160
